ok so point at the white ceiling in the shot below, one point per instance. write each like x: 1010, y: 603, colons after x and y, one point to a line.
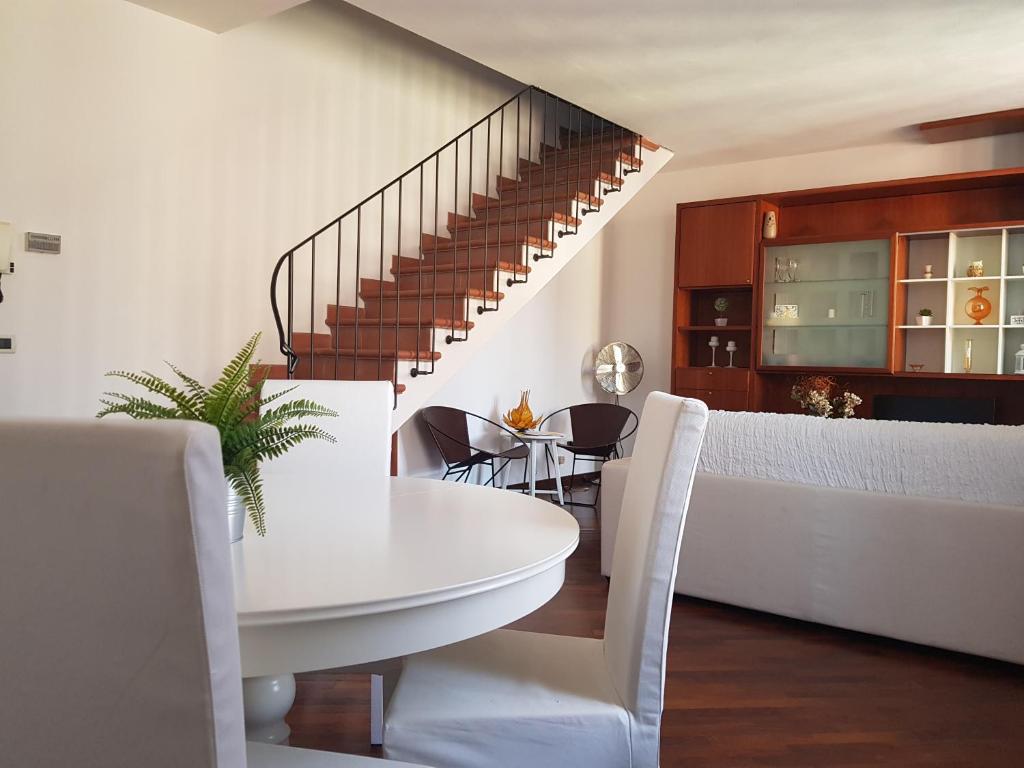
x: 218, y: 15
x: 722, y: 81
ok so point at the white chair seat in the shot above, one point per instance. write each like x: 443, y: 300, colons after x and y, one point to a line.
x: 509, y: 699
x: 259, y: 755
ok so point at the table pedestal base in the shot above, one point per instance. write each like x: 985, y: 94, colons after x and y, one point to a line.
x: 267, y: 700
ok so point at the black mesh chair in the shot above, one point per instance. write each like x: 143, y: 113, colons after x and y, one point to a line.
x: 449, y: 428
x: 598, y: 430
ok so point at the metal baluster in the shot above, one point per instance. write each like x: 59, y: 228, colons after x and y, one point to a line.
x: 398, y: 286
x: 579, y: 161
x: 312, y: 305
x: 568, y: 159
x: 337, y: 306
x: 634, y: 159
x: 498, y: 182
x: 587, y: 207
x: 455, y: 246
x: 611, y: 181
x: 419, y: 290
x: 487, y: 216
x: 469, y: 233
x: 437, y: 193
x: 544, y: 210
x: 294, y: 359
x: 359, y: 238
x: 519, y: 250
x: 380, y: 294
x: 529, y: 186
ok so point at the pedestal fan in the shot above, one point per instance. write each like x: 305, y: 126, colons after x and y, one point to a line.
x: 618, y: 369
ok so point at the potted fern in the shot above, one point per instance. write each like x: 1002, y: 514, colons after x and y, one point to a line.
x: 924, y: 317
x: 250, y: 432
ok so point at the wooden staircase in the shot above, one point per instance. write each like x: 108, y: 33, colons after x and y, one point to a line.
x: 408, y: 308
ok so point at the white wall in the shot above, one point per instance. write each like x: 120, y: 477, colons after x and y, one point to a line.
x: 178, y: 165
x: 620, y: 287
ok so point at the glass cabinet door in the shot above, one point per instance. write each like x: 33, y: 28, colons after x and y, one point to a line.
x: 826, y: 305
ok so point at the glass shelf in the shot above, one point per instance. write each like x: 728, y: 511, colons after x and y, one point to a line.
x: 793, y: 283
x: 835, y: 313
x: 827, y: 325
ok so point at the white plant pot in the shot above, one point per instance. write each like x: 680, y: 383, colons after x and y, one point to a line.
x: 721, y: 321
x: 236, y: 515
x: 924, y: 320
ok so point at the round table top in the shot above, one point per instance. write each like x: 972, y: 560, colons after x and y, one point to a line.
x: 334, y: 552
x: 540, y: 435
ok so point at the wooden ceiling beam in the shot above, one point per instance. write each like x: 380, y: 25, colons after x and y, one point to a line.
x: 973, y: 126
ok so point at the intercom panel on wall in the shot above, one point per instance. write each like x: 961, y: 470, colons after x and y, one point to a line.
x: 6, y: 248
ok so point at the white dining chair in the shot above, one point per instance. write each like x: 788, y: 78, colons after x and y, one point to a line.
x: 361, y: 454
x: 509, y: 698
x: 119, y: 641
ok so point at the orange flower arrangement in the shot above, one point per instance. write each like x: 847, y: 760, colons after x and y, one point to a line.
x: 521, y: 418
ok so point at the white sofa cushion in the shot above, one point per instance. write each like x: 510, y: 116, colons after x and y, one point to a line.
x: 969, y: 462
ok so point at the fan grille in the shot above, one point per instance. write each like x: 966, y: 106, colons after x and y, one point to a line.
x: 619, y: 368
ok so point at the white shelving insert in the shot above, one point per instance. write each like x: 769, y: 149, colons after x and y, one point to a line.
x: 1002, y: 253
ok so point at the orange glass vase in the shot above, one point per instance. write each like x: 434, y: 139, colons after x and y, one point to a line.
x: 978, y: 307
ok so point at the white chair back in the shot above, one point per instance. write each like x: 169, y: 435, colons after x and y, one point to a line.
x: 119, y: 639
x: 646, y: 557
x: 363, y: 429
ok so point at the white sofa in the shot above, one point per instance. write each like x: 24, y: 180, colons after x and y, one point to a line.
x: 907, y: 530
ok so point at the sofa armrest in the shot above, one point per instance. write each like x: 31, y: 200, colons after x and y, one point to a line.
x: 613, y: 487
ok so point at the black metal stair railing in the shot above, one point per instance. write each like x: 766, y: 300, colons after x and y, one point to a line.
x: 375, y: 323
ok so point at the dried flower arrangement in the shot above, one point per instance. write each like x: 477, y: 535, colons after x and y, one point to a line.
x: 816, y: 394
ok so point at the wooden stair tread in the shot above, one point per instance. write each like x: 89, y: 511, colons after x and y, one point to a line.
x: 445, y: 268
x: 462, y: 245
x: 535, y: 196
x: 428, y: 296
x: 568, y: 159
x: 462, y: 222
x: 604, y: 176
x: 366, y: 321
x: 583, y: 140
x: 370, y: 352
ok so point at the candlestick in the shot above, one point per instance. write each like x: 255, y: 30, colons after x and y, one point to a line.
x: 730, y: 347
x: 713, y: 343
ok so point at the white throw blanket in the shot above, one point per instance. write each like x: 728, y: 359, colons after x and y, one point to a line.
x: 969, y: 462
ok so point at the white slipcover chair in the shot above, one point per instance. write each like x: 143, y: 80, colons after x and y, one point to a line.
x: 119, y: 640
x: 361, y: 455
x: 513, y: 699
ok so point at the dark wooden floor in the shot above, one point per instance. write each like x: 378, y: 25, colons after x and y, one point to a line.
x: 750, y: 689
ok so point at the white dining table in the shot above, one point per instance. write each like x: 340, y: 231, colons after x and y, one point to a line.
x: 387, y: 568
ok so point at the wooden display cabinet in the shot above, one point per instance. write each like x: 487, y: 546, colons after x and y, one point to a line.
x: 946, y: 221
